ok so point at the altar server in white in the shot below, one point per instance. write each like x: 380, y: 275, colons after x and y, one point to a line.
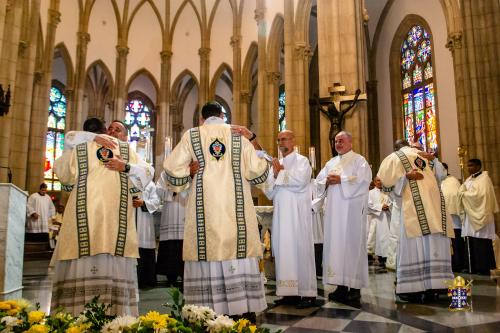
x: 379, y: 212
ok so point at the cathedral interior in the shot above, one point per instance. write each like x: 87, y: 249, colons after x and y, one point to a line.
x: 426, y: 71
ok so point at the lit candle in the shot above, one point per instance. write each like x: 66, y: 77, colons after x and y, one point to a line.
x: 147, y: 150
x: 168, y: 145
x: 296, y: 149
x: 312, y: 157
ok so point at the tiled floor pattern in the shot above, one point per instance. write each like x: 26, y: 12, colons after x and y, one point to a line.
x: 378, y: 311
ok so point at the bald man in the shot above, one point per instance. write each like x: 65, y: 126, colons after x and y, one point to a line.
x: 345, y: 179
x: 292, y: 235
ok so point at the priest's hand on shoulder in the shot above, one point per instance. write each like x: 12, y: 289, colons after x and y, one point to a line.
x: 333, y: 179
x: 277, y: 167
x: 104, y: 141
x: 115, y: 164
x: 414, y: 175
x: 194, y: 166
x: 136, y: 202
x: 426, y: 155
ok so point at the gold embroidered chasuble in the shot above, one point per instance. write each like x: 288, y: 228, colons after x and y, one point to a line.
x: 221, y: 222
x: 99, y: 213
x: 424, y: 210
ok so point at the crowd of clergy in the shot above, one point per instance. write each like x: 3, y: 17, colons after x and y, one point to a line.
x: 411, y: 217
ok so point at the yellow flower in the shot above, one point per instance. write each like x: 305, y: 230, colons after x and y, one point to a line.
x: 4, y: 306
x: 252, y: 328
x: 242, y: 323
x: 78, y: 328
x: 35, y: 316
x: 158, y: 320
x: 38, y: 328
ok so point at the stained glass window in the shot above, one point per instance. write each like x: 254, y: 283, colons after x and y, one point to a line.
x: 140, y: 129
x: 56, y: 123
x: 419, y: 110
x: 281, y: 109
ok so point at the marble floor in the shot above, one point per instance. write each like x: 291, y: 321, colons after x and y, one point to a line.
x: 378, y: 311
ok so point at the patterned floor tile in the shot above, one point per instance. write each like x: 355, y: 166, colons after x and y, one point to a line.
x: 337, y: 313
x: 326, y: 324
x: 366, y: 316
x: 290, y: 309
x: 372, y: 327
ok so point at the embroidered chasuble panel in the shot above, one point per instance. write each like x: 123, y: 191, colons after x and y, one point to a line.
x: 220, y: 219
x: 99, y: 208
x: 424, y: 209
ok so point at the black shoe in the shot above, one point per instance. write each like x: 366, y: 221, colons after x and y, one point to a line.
x: 339, y: 295
x: 250, y: 316
x: 353, y: 298
x: 416, y: 298
x: 306, y: 302
x: 288, y: 300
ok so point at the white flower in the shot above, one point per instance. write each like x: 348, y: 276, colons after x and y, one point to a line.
x: 193, y: 313
x: 9, y: 321
x: 80, y: 320
x: 220, y: 324
x: 118, y: 324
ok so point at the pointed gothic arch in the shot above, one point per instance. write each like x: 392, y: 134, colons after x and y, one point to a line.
x: 224, y: 73
x: 150, y: 77
x: 397, y: 88
x: 182, y: 86
x: 99, y: 88
x: 60, y: 50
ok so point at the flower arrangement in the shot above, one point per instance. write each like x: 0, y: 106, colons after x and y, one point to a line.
x: 20, y: 316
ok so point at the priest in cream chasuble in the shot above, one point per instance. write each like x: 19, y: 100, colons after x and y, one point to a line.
x: 424, y: 258
x: 221, y: 232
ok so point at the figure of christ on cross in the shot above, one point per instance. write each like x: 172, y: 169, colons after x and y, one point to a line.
x: 334, y: 110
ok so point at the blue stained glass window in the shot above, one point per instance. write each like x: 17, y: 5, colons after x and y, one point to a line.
x: 417, y: 89
x: 281, y: 109
x: 140, y: 130
x: 54, y: 144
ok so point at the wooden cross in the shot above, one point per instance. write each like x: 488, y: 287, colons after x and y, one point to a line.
x: 334, y: 110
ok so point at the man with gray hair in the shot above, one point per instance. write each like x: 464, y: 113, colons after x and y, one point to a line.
x: 345, y: 180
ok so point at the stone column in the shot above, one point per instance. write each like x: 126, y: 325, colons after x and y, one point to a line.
x: 477, y: 79
x: 163, y: 120
x: 341, y: 59
x: 263, y: 127
x: 73, y: 120
x: 121, y: 75
x: 22, y: 104
x: 237, y: 117
x: 270, y: 119
x: 372, y: 114
x: 204, y: 53
x: 39, y: 114
x: 299, y: 115
x: 8, y: 64
x: 246, y: 103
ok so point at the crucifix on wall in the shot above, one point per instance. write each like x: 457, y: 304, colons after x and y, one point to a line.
x: 332, y: 107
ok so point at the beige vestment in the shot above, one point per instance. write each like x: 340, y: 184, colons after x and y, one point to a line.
x: 424, y: 210
x: 220, y: 221
x: 99, y: 208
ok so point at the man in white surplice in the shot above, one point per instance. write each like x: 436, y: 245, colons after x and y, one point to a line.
x: 146, y: 203
x: 39, y: 210
x: 346, y: 179
x: 379, y: 212
x: 292, y: 236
